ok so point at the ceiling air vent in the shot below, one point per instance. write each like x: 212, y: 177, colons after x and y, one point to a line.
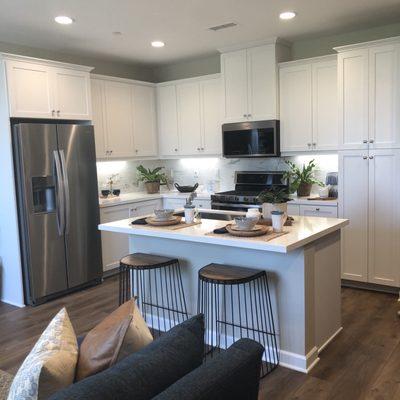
x: 223, y: 26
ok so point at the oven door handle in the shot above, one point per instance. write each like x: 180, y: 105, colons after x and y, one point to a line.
x: 235, y: 205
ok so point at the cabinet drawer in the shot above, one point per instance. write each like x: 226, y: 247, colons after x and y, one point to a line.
x: 293, y: 209
x: 143, y: 208
x: 202, y: 203
x: 174, y: 203
x: 319, y: 211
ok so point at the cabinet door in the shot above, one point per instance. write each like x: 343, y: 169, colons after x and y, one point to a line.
x: 211, y: 116
x: 353, y: 99
x: 325, y: 119
x: 145, y: 208
x: 319, y: 211
x: 262, y: 83
x: 114, y: 245
x: 97, y: 88
x: 189, y: 125
x: 119, y: 124
x: 144, y: 121
x: 30, y: 90
x: 353, y: 204
x: 384, y: 96
x: 384, y: 217
x: 295, y: 107
x: 72, y: 94
x: 234, y: 77
x: 167, y: 120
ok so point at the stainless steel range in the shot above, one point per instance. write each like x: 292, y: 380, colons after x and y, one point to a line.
x: 248, y: 185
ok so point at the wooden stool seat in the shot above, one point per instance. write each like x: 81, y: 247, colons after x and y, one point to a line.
x: 220, y: 273
x: 146, y: 261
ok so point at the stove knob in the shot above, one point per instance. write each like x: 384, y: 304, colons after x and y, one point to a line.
x: 237, y: 198
x: 245, y: 199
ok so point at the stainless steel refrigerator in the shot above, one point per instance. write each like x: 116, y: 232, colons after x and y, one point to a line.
x: 57, y: 194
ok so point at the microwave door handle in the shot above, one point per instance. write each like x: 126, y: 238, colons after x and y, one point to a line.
x: 59, y: 188
x: 66, y: 192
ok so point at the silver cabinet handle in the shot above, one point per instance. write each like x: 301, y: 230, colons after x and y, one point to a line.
x: 111, y: 152
x: 317, y: 209
x: 58, y: 113
x: 365, y: 141
x: 314, y: 144
x: 249, y: 115
x: 371, y: 157
x: 202, y: 148
x: 175, y: 149
x: 245, y: 115
x: 53, y: 112
x: 198, y: 149
x: 309, y: 144
x: 136, y: 150
x: 371, y: 140
x: 365, y: 157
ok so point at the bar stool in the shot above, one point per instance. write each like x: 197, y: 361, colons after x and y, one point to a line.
x: 236, y: 303
x: 157, y: 283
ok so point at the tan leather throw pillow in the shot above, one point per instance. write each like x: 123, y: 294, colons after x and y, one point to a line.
x: 120, y: 334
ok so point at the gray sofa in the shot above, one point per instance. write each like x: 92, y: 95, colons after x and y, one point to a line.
x: 172, y: 367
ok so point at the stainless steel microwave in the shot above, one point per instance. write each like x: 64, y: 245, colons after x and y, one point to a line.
x: 251, y: 139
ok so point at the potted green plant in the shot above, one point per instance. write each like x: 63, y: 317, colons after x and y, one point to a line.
x: 301, y: 179
x: 152, y: 178
x: 273, y: 199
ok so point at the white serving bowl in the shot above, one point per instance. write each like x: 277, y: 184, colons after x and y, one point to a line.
x: 163, y: 214
x: 246, y: 223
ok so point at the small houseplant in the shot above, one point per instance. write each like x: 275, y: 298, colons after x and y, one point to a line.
x: 302, y: 179
x: 152, y: 178
x: 274, y: 199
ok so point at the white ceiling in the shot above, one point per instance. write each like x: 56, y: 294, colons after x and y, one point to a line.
x: 182, y: 24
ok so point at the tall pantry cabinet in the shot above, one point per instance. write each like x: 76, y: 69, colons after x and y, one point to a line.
x: 369, y: 160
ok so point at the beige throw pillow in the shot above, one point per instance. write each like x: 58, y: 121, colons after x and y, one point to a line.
x: 120, y: 334
x: 50, y: 366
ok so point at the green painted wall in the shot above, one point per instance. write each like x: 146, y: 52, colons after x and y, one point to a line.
x: 300, y: 49
x: 103, y: 67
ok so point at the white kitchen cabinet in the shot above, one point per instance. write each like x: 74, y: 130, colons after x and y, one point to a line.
x: 293, y: 209
x: 319, y: 211
x: 189, y: 117
x: 72, y: 94
x: 296, y: 107
x: 118, y: 119
x: 308, y: 104
x: 116, y: 245
x: 124, y: 118
x: 210, y: 96
x: 174, y: 203
x: 144, y: 121
x: 369, y: 95
x: 98, y: 118
x: 249, y: 79
x: 167, y: 120
x: 202, y: 203
x: 369, y: 192
x: 39, y: 89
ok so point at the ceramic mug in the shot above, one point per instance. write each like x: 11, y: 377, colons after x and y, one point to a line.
x: 190, y: 214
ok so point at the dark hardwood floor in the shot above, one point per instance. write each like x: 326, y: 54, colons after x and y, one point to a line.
x: 362, y: 363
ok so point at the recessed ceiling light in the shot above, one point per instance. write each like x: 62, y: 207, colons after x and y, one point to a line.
x: 287, y: 15
x: 63, y: 20
x: 157, y: 43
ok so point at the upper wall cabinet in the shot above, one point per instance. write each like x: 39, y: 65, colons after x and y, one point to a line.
x: 308, y: 104
x: 40, y: 89
x: 249, y: 79
x: 189, y: 117
x: 369, y: 93
x: 124, y: 118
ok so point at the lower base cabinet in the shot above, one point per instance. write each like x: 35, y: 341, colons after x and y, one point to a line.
x: 312, y: 211
x: 116, y: 245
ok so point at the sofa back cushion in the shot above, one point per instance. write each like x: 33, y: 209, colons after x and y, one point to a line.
x: 147, y: 372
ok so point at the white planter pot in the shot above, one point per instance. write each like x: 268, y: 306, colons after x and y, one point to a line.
x: 268, y: 207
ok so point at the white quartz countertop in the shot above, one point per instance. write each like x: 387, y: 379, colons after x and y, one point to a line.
x: 134, y: 197
x: 303, y: 231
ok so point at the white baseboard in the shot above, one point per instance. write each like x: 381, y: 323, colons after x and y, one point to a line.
x: 12, y: 303
x: 329, y: 340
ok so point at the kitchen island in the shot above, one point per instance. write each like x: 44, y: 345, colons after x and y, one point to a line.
x: 303, y: 267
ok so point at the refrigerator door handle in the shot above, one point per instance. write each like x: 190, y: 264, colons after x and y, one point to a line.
x: 66, y: 191
x: 60, y: 206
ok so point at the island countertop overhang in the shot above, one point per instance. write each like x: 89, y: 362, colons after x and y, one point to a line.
x: 304, y: 231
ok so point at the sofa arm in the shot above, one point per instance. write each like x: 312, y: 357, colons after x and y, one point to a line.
x: 232, y: 374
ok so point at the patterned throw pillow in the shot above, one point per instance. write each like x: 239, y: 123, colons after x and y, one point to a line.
x: 50, y: 366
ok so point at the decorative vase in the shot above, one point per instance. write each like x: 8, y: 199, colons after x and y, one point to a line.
x: 152, y: 187
x: 304, y: 189
x: 268, y: 207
